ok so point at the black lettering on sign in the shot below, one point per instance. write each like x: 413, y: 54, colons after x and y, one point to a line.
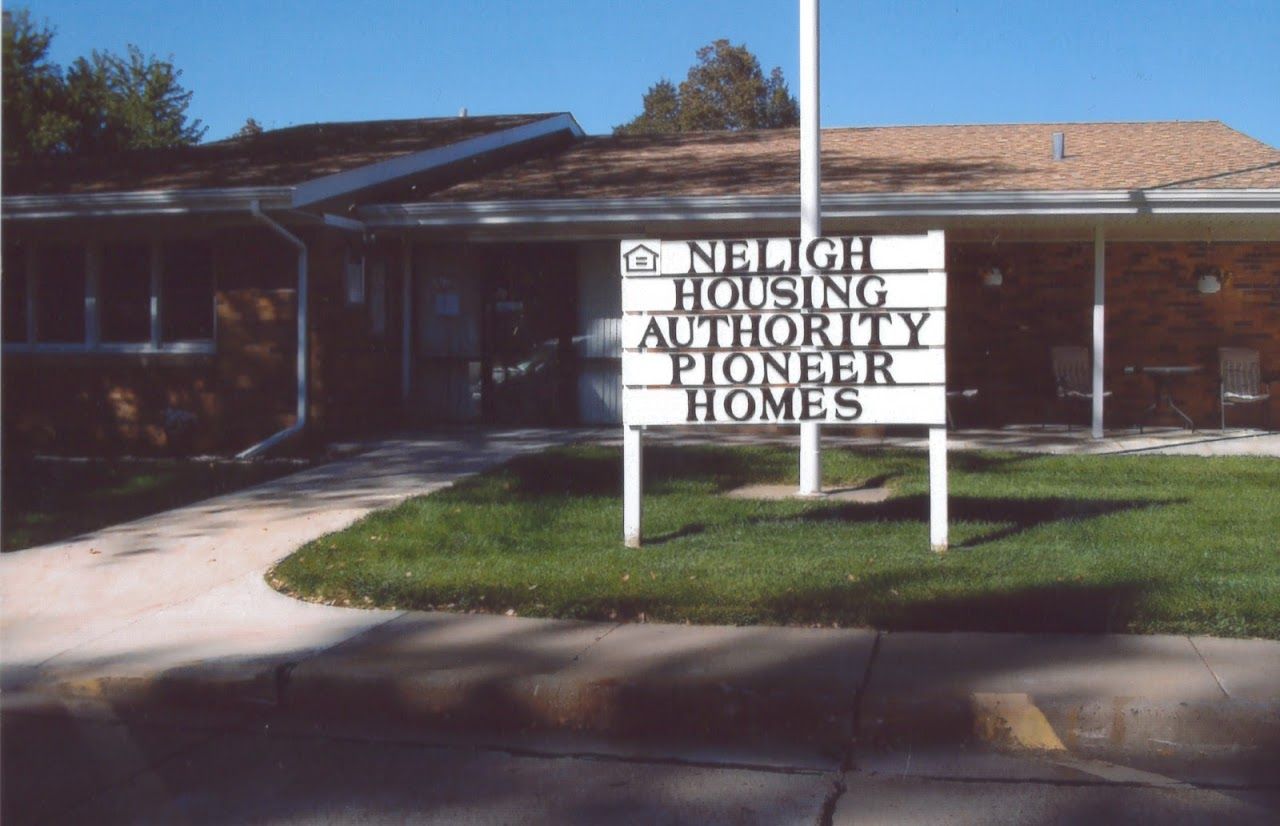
x: 693, y: 293
x: 680, y: 363
x: 781, y: 406
x: 746, y: 411
x: 707, y: 406
x: 914, y: 327
x: 706, y: 256
x: 848, y: 408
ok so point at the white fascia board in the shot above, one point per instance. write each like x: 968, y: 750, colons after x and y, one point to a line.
x: 142, y: 202
x: 885, y: 205
x: 364, y: 177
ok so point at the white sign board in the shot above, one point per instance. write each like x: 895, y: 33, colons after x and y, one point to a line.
x: 846, y: 330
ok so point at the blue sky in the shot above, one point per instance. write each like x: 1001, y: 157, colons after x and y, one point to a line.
x: 285, y: 62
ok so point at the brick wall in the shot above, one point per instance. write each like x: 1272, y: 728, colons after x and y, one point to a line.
x: 103, y: 403
x: 999, y: 338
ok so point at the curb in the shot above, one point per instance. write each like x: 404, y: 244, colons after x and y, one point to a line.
x: 1106, y: 728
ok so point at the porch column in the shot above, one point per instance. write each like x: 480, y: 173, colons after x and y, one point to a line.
x: 1099, y: 322
x: 406, y: 320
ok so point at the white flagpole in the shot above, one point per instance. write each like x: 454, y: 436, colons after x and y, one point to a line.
x: 810, y: 209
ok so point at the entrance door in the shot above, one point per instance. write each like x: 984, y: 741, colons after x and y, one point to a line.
x: 529, y: 313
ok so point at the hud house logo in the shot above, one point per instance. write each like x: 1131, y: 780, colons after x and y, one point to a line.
x: 641, y: 258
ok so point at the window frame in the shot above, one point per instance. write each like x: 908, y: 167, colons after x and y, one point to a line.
x: 92, y: 342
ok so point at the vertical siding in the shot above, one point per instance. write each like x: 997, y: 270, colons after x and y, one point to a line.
x: 598, y: 337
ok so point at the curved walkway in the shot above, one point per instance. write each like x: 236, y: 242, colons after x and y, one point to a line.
x: 174, y: 607
x: 186, y: 585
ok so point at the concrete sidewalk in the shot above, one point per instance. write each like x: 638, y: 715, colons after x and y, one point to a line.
x: 173, y: 611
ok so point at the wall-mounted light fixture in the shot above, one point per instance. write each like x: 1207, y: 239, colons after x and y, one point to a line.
x: 991, y: 276
x: 1211, y: 279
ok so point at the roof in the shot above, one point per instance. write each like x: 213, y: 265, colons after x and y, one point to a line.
x: 279, y: 157
x: 898, y: 159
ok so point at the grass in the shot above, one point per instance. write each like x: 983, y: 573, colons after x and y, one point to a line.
x: 46, y: 500
x: 1039, y: 543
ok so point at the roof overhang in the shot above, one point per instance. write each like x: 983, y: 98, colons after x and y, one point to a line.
x: 943, y: 205
x: 352, y: 182
x: 308, y: 194
x: 158, y: 202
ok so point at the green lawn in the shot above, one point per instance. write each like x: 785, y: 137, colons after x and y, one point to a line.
x: 1039, y: 543
x: 50, y: 499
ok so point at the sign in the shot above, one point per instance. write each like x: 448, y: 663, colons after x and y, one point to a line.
x: 842, y: 330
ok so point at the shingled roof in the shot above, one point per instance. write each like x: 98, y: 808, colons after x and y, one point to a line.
x: 279, y: 157
x: 900, y: 159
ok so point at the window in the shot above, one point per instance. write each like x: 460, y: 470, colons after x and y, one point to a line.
x: 117, y: 297
x: 60, y: 285
x: 186, y: 292
x: 124, y: 293
x: 13, y: 278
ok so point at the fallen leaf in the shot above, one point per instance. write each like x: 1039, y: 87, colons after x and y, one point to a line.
x: 94, y: 551
x: 626, y: 577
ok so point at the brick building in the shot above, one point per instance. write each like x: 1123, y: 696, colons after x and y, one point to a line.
x: 466, y: 269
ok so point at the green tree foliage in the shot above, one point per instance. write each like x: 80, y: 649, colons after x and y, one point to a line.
x: 250, y: 129
x: 105, y: 103
x: 35, y: 122
x: 724, y: 90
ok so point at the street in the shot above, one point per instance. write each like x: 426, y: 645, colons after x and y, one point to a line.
x: 83, y: 763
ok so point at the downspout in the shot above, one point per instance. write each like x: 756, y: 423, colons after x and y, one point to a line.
x: 300, y: 422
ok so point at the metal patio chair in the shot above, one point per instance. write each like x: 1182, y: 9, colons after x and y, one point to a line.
x: 1240, y: 381
x: 1072, y: 375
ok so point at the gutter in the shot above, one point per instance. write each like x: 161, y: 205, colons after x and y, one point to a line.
x: 143, y: 202
x: 1167, y: 202
x: 300, y: 420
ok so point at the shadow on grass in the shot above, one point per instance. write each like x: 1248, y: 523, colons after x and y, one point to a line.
x: 598, y: 472
x: 1076, y: 608
x: 1015, y: 516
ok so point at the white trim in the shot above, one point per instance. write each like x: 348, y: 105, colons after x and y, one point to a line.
x: 354, y: 180
x: 787, y: 207
x: 142, y: 202
x: 347, y: 224
x: 140, y: 348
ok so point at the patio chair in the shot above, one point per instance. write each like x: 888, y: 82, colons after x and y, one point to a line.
x: 1240, y: 381
x: 1072, y: 375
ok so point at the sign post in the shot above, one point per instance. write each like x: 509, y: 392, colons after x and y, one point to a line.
x: 734, y: 331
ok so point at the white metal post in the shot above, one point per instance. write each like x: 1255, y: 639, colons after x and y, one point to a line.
x: 1099, y: 323
x: 92, y: 288
x: 157, y: 268
x: 938, y: 488
x: 406, y: 321
x: 810, y: 208
x: 632, y: 474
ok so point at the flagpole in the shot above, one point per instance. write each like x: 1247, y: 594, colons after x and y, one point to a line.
x: 810, y: 209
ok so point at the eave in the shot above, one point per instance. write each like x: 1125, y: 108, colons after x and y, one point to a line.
x: 598, y: 211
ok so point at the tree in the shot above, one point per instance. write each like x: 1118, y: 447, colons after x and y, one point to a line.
x: 724, y: 90
x: 131, y: 102
x: 106, y: 103
x: 250, y: 129
x: 34, y: 122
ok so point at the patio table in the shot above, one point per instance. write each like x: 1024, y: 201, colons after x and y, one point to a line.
x: 1162, y: 376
